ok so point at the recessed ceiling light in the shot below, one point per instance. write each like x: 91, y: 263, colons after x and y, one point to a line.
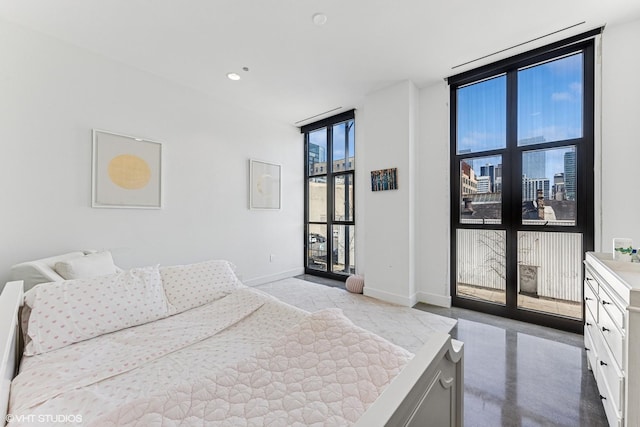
x: 319, y: 18
x: 233, y: 76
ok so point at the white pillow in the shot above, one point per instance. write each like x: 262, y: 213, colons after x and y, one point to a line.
x: 63, y: 313
x: 97, y: 264
x: 189, y: 286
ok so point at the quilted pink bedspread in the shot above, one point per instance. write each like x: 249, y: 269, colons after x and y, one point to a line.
x: 323, y: 371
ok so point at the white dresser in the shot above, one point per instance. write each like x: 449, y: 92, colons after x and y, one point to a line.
x: 612, y: 335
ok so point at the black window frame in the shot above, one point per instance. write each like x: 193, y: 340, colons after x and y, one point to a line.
x: 511, y: 220
x: 330, y: 175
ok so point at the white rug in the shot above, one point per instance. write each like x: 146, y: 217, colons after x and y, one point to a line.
x: 407, y: 327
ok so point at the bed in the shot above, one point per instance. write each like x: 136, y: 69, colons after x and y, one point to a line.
x: 191, y: 345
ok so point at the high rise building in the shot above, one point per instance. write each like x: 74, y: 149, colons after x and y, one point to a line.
x: 534, y: 164
x: 484, y: 184
x: 570, y: 175
x: 497, y: 185
x: 488, y: 170
x: 317, y: 155
x: 530, y: 187
x: 557, y: 190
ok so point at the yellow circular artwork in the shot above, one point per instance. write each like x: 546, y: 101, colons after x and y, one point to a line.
x: 129, y: 172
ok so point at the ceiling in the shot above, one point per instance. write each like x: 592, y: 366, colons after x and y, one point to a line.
x: 298, y: 69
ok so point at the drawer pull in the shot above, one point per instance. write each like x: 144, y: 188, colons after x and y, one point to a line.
x: 588, y: 324
x: 587, y: 349
x: 588, y: 299
x: 603, y: 363
x: 602, y: 397
x: 605, y: 329
x: 605, y: 302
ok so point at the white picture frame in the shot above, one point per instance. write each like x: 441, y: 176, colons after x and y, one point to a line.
x: 126, y: 171
x: 265, y: 185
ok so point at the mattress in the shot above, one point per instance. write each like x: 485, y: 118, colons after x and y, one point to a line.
x: 150, y: 373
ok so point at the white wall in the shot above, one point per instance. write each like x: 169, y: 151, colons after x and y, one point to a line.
x: 620, y: 134
x: 53, y: 94
x: 433, y: 200
x: 387, y: 137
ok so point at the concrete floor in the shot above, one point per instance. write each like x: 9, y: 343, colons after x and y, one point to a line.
x: 517, y: 374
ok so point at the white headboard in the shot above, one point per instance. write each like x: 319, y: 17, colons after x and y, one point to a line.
x: 42, y: 270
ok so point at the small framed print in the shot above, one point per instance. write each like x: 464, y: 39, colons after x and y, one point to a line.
x: 126, y: 172
x: 264, y: 185
x: 384, y: 179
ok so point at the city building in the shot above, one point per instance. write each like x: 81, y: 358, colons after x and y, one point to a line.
x: 531, y: 186
x: 570, y: 175
x: 484, y: 184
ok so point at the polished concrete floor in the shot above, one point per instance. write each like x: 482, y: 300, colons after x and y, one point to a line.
x: 519, y: 375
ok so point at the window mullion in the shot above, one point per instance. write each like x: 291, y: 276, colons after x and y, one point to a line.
x: 512, y: 196
x: 330, y: 198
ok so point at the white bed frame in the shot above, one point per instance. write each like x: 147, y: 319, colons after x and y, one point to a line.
x: 10, y: 342
x: 427, y: 392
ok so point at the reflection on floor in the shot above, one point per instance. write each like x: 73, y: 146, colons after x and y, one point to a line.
x: 517, y: 374
x: 322, y: 280
x: 546, y: 305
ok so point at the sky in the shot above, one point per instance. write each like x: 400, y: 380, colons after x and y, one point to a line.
x: 549, y: 106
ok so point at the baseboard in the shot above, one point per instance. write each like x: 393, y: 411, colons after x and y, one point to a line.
x: 434, y: 299
x: 389, y: 297
x: 273, y: 277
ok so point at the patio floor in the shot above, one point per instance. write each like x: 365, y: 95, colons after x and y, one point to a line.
x: 545, y: 305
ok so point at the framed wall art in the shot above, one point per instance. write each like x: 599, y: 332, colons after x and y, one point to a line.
x: 126, y: 172
x: 264, y: 185
x: 384, y: 179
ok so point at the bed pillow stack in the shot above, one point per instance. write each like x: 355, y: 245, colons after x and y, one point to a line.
x: 193, y: 285
x: 91, y: 265
x: 63, y: 313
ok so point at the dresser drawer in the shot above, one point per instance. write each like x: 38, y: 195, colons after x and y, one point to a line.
x: 612, y: 336
x: 591, y: 349
x: 609, y: 373
x: 591, y: 297
x: 613, y: 414
x: 590, y: 322
x: 607, y: 302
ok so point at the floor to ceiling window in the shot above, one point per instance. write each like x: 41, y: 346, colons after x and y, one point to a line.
x: 329, y: 196
x: 522, y: 184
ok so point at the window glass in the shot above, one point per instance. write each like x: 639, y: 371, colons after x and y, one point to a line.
x: 317, y: 204
x: 482, y: 116
x: 481, y: 265
x: 344, y: 259
x: 550, y: 101
x: 481, y: 190
x: 343, y: 146
x: 549, y: 186
x: 343, y: 194
x: 317, y: 154
x: 550, y: 272
x: 317, y: 247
